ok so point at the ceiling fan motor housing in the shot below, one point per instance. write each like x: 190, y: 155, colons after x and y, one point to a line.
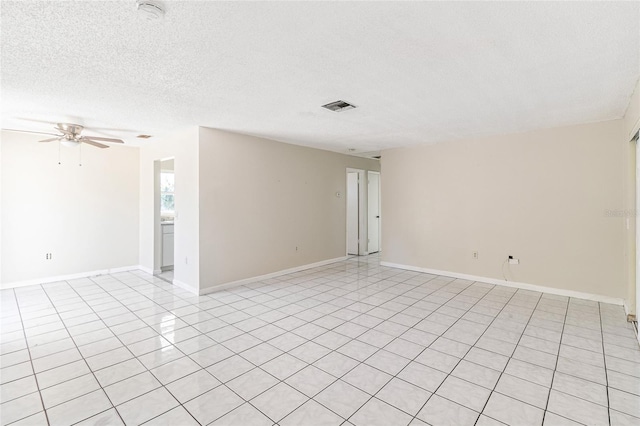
x: 70, y: 129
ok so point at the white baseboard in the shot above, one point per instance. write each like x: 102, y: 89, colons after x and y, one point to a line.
x: 515, y: 284
x: 45, y: 280
x: 145, y: 269
x: 627, y: 311
x: 270, y: 275
x: 185, y: 286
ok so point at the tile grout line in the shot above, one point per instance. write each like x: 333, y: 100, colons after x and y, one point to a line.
x: 417, y: 355
x: 33, y: 370
x: 330, y: 351
x: 308, y: 365
x: 83, y: 358
x: 238, y: 353
x: 604, y: 359
x: 470, y: 347
x: 146, y: 370
x: 510, y: 357
x: 553, y: 377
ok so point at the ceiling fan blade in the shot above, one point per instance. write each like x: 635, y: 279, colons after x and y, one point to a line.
x: 111, y: 129
x: 94, y: 143
x: 51, y: 140
x: 28, y: 131
x: 97, y: 138
x: 33, y: 120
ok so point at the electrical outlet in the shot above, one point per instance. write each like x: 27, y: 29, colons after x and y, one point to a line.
x: 475, y: 255
x: 48, y: 256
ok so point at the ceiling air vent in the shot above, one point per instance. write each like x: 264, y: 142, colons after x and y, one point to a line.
x: 338, y: 106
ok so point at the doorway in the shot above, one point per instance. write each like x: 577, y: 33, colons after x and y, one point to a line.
x: 164, y: 215
x: 353, y: 213
x: 373, y: 223
x: 356, y: 212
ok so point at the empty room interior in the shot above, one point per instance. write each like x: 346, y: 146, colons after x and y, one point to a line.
x: 319, y: 213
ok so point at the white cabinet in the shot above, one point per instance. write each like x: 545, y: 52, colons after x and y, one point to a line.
x: 167, y: 245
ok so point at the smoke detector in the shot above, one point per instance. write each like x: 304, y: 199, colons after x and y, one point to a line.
x: 338, y: 106
x: 150, y: 10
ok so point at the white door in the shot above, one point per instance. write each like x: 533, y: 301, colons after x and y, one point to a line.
x: 352, y: 213
x: 374, y: 212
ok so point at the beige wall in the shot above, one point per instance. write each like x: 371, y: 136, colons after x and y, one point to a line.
x: 539, y: 196
x: 87, y: 216
x: 260, y: 199
x: 183, y: 147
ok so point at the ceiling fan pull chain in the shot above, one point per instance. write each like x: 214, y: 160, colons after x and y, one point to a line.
x: 80, y: 151
x: 59, y: 146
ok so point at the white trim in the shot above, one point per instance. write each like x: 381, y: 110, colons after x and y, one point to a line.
x: 145, y: 269
x: 185, y: 286
x: 67, y: 277
x: 635, y: 128
x: 636, y: 182
x: 270, y: 275
x: 515, y: 284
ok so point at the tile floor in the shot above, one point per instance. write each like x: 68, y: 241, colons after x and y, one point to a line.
x: 348, y: 343
x: 166, y: 275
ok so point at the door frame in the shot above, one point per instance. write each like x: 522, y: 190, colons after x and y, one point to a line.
x: 636, y: 139
x: 157, y: 227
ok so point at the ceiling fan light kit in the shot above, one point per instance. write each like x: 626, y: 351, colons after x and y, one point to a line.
x: 69, y: 143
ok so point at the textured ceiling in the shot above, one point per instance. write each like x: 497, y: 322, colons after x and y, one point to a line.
x: 418, y: 72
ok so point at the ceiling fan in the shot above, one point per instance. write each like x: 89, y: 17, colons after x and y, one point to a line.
x: 71, y: 136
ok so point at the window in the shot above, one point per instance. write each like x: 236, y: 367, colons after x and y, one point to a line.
x: 167, y: 203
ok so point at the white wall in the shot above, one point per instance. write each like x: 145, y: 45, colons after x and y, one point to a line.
x: 87, y: 216
x: 183, y: 147
x: 540, y: 196
x: 260, y: 199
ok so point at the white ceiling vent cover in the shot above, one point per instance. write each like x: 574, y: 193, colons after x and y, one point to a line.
x: 338, y: 106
